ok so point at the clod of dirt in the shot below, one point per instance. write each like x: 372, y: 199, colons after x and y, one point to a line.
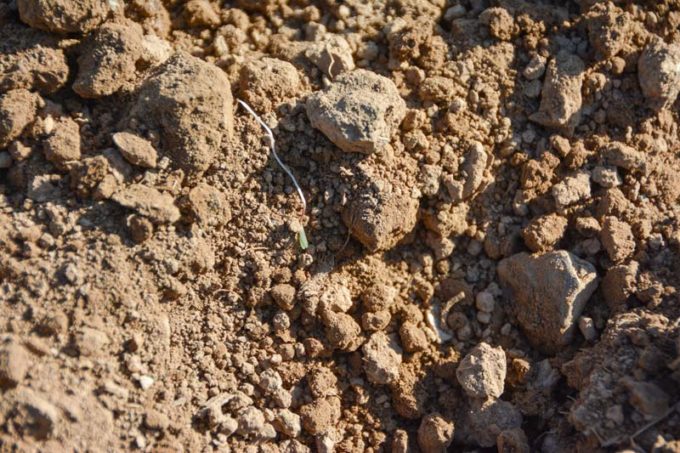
x: 332, y: 55
x: 30, y: 59
x: 543, y: 233
x: 619, y: 284
x: 413, y: 338
x: 382, y: 358
x: 149, y: 202
x: 64, y: 16
x: 17, y: 110
x: 199, y: 13
x: 342, y: 331
x: 359, y: 112
x: 435, y: 433
x: 288, y: 423
x: 501, y: 24
x: 483, y: 423
x: 90, y: 342
x: 617, y: 239
x: 63, y: 146
x: 380, y: 216
x: 267, y: 82
x: 659, y: 73
x: 608, y: 28
x: 189, y: 103
x: 320, y: 415
x: 512, y: 441
x: 14, y: 364
x: 207, y: 206
x: 482, y: 372
x: 549, y: 292
x: 135, y: 149
x: 624, y: 156
x: 109, y: 59
x: 473, y: 168
x: 561, y: 96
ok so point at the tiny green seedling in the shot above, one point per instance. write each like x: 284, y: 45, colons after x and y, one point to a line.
x: 302, y: 237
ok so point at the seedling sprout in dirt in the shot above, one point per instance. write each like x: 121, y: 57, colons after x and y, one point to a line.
x: 302, y: 236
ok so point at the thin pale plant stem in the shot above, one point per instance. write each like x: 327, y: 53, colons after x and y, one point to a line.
x: 272, y: 143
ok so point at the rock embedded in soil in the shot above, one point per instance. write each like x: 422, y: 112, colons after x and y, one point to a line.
x: 482, y: 372
x: 265, y: 83
x: 17, y: 110
x: 561, y: 98
x: 64, y: 16
x: 149, y: 202
x: 359, y: 112
x: 189, y: 103
x: 549, y: 292
x: 381, y: 215
x: 14, y: 364
x: 109, y: 59
x: 659, y: 73
x: 342, y: 331
x: 435, y: 433
x: 382, y: 358
x: 136, y: 150
x: 483, y: 423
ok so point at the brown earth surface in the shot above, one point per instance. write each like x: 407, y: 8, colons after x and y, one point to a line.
x: 488, y: 258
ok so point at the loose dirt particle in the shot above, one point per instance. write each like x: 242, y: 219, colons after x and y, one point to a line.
x: 543, y: 233
x: 63, y: 146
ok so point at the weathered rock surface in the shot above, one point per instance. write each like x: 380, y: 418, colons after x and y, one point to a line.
x: 359, y: 112
x: 659, y: 73
x: 382, y: 357
x: 561, y: 96
x: 549, y: 293
x: 482, y: 372
x: 64, y: 16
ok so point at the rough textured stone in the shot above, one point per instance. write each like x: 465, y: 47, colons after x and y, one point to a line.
x: 561, y: 96
x: 659, y: 73
x: 485, y: 422
x: 14, y: 363
x: 482, y: 372
x: 135, y: 149
x: 359, y: 112
x: 265, y: 83
x: 64, y: 16
x: 382, y: 357
x: 549, y: 293
x: 435, y: 433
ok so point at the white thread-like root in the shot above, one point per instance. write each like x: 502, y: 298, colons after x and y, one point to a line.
x: 272, y: 143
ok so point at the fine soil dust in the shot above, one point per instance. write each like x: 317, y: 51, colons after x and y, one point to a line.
x: 492, y: 220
